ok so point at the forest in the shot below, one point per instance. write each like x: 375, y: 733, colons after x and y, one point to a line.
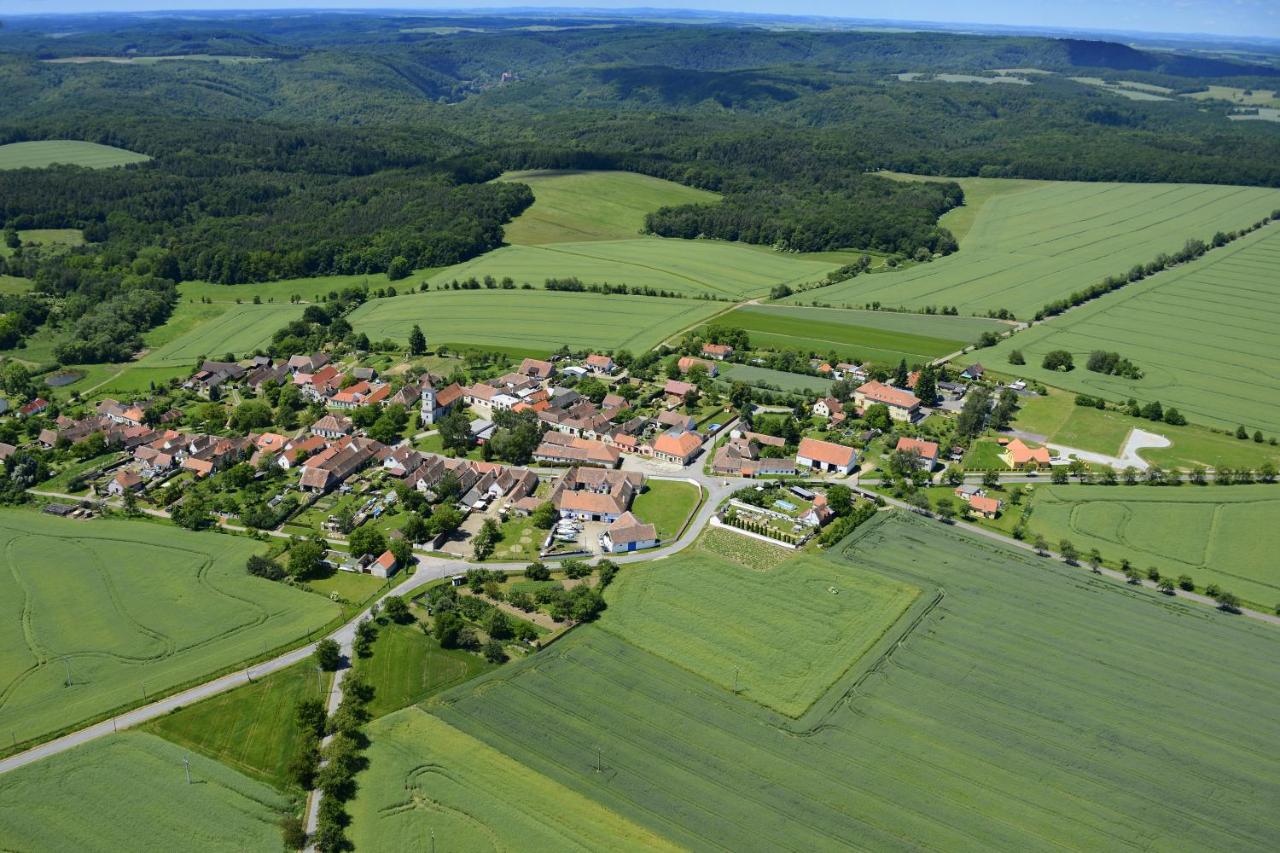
x: 349, y: 150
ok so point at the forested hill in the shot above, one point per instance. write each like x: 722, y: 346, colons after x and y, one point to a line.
x: 289, y: 145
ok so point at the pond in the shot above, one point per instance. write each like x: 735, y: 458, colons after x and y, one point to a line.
x: 66, y: 377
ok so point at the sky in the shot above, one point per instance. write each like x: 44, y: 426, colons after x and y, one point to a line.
x: 1223, y: 17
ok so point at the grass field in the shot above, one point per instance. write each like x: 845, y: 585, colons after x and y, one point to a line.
x: 880, y: 336
x: 724, y: 270
x: 129, y: 792
x: 576, y: 206
x: 37, y: 155
x: 128, y: 608
x: 1255, y: 98
x: 795, y: 382
x: 408, y: 666
x: 1203, y: 334
x: 428, y: 779
x: 250, y: 729
x: 667, y: 505
x: 536, y: 321
x: 1038, y: 244
x: 784, y: 635
x: 1217, y: 534
x: 238, y: 329
x: 46, y: 237
x: 1033, y: 707
x: 977, y: 192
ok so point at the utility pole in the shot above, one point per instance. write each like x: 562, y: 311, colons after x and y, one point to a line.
x: 433, y: 840
x: 186, y: 765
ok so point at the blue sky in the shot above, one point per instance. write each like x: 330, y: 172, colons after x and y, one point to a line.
x: 1228, y: 17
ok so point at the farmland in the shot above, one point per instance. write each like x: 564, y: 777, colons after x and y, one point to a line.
x: 1216, y: 534
x: 576, y: 206
x: 127, y: 609
x: 732, y: 624
x: 533, y: 321
x: 1039, y: 244
x: 129, y: 792
x: 1028, y: 686
x: 427, y: 777
x: 884, y: 337
x: 238, y: 329
x: 407, y: 666
x: 1203, y: 335
x: 250, y: 729
x: 70, y: 152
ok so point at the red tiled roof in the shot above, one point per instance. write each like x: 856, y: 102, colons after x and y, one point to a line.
x: 878, y: 392
x: 926, y: 449
x: 826, y: 452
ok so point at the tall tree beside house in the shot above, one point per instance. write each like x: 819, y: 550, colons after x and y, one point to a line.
x: 417, y: 341
x: 926, y: 386
x: 900, y: 375
x: 455, y: 431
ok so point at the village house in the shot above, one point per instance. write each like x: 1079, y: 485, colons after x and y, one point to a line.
x: 319, y: 386
x: 209, y: 378
x: 1018, y: 455
x: 628, y: 533
x: 536, y: 369
x: 332, y: 426
x: 926, y: 451
x: 212, y: 454
x: 675, y: 391
x: 825, y: 456
x: 902, y: 405
x: 740, y: 456
x: 677, y: 446
x: 973, y: 372
x: 600, y: 364
x: 688, y: 362
x: 563, y: 449
x: 35, y: 407
x: 717, y: 351
x: 307, y: 363
x: 384, y: 566
x: 984, y: 506
x: 361, y: 393
x: 594, y: 494
x: 401, y: 461
x: 845, y: 370
x: 298, y: 450
x: 335, y: 464
x: 830, y: 407
x: 124, y: 481
x: 131, y: 415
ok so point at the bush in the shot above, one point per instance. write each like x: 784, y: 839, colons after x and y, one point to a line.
x: 328, y: 656
x: 537, y: 571
x: 1016, y: 357
x: 1058, y: 359
x: 1185, y: 583
x: 262, y: 567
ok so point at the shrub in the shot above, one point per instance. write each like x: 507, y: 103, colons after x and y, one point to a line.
x: 1058, y: 359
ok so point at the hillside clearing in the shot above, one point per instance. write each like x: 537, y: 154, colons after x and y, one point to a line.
x: 67, y: 152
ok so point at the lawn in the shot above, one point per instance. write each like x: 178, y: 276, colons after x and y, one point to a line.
x: 350, y: 586
x: 795, y: 382
x: 1203, y: 334
x: 535, y: 321
x: 667, y: 505
x: 1029, y: 708
x: 984, y: 455
x: 784, y: 636
x: 521, y: 540
x: 1041, y: 243
x: 37, y: 155
x: 427, y: 779
x: 576, y: 206
x: 250, y: 729
x: 407, y: 666
x: 694, y: 267
x: 129, y: 792
x: 1217, y: 534
x: 129, y: 609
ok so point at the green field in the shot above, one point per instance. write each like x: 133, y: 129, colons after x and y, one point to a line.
x: 667, y: 505
x: 130, y: 792
x: 1217, y: 534
x: 428, y: 779
x: 536, y: 321
x: 250, y: 729
x: 977, y: 192
x: 796, y: 382
x: 1030, y: 708
x: 239, y: 329
x: 46, y: 237
x: 880, y: 336
x: 1203, y: 334
x: 785, y: 635
x: 37, y: 155
x: 407, y: 666
x: 1033, y: 246
x: 576, y: 206
x: 129, y: 609
x: 723, y: 270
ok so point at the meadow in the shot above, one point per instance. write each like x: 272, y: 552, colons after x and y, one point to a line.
x: 573, y: 206
x: 1040, y: 243
x: 799, y: 383
x: 782, y: 636
x: 884, y: 337
x: 1216, y: 534
x: 428, y: 779
x: 127, y: 610
x: 129, y: 792
x: 532, y: 321
x: 1203, y: 334
x: 251, y: 728
x: 407, y: 666
x: 1030, y: 708
x: 667, y: 505
x: 38, y: 155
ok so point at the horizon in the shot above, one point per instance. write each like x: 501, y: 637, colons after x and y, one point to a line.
x: 1252, y: 20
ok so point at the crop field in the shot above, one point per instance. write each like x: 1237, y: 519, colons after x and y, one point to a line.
x: 250, y: 729
x: 536, y: 321
x: 732, y: 624
x: 1030, y: 708
x: 427, y: 778
x: 238, y: 329
x: 1033, y: 246
x: 127, y: 609
x: 724, y: 270
x: 129, y: 792
x: 1203, y: 335
x: 575, y: 206
x: 37, y: 155
x: 884, y: 337
x: 1217, y: 534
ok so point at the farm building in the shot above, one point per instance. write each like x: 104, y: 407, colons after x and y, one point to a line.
x: 826, y: 456
x: 1018, y: 455
x: 628, y: 533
